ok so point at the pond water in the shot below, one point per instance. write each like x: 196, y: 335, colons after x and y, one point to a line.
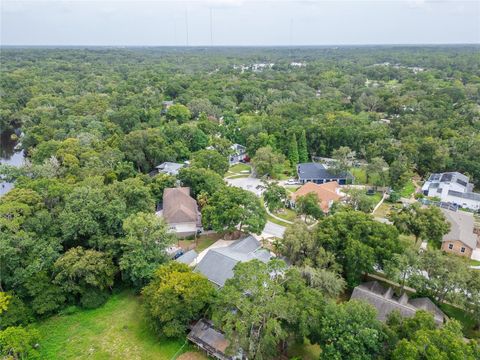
x: 9, y: 155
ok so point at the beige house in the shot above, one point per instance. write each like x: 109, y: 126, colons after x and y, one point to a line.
x: 461, y: 239
x: 180, y: 211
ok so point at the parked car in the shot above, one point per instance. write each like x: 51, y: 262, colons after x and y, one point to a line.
x: 292, y: 182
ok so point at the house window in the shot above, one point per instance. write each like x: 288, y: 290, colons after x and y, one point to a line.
x: 462, y: 250
x: 450, y: 246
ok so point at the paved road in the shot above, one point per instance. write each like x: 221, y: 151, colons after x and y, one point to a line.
x: 248, y: 183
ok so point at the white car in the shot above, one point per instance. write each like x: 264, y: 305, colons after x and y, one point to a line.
x: 291, y: 182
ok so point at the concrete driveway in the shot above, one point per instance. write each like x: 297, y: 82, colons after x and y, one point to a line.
x: 476, y: 254
x: 273, y: 230
x: 248, y: 183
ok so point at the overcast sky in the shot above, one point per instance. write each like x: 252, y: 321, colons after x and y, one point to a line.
x: 238, y: 22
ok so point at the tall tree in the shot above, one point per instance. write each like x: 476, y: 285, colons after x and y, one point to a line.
x: 143, y: 248
x: 309, y: 206
x: 422, y: 222
x: 293, y: 155
x: 210, y: 159
x: 275, y: 196
x: 266, y: 162
x: 232, y: 208
x: 349, y: 331
x: 85, y: 275
x: 175, y: 297
x: 261, y: 306
x: 302, y: 148
x: 344, y: 157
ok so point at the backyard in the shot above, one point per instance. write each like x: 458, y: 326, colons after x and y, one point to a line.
x: 116, y: 330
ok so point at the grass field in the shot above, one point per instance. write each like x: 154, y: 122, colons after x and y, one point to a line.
x: 287, y: 214
x: 117, y: 330
x: 360, y: 175
x: 238, y: 168
x: 407, y: 190
x: 467, y: 321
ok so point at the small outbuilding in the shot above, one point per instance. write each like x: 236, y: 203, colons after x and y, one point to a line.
x: 212, y: 341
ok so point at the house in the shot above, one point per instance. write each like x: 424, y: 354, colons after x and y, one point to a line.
x: 461, y: 239
x: 385, y: 301
x: 319, y: 174
x: 327, y: 193
x: 209, y: 339
x: 218, y: 263
x: 188, y: 258
x: 180, y: 211
x: 239, y: 154
x: 169, y: 168
x: 454, y: 188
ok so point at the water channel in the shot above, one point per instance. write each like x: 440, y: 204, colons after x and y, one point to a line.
x: 10, y: 154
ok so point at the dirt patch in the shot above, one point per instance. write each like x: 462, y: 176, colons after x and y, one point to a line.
x: 191, y: 355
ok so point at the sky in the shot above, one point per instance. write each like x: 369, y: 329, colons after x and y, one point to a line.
x: 238, y: 22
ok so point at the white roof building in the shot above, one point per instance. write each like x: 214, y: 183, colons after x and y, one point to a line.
x: 452, y: 187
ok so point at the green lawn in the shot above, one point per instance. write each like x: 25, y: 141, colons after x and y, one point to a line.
x: 464, y: 318
x: 383, y: 210
x: 117, y: 330
x: 474, y: 262
x: 287, y: 214
x: 407, y: 190
x: 360, y: 175
x: 201, y: 243
x: 238, y: 176
x: 237, y: 168
x: 275, y: 221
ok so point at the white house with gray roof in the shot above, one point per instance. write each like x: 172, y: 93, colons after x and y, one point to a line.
x: 218, y: 263
x: 454, y: 188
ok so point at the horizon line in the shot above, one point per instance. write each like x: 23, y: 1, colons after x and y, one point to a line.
x: 243, y: 46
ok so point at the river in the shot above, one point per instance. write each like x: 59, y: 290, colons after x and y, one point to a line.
x: 9, y: 155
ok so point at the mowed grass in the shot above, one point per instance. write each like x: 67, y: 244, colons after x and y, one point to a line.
x: 117, y: 330
x: 238, y: 168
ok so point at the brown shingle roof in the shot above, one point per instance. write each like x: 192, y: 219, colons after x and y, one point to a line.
x: 179, y: 206
x: 325, y: 192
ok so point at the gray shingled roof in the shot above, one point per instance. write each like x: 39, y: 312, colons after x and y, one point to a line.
x: 169, y: 167
x: 218, y: 263
x: 461, y: 228
x: 188, y: 257
x: 385, y: 302
x: 309, y: 171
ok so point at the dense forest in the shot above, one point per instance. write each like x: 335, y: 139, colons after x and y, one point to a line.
x: 81, y: 218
